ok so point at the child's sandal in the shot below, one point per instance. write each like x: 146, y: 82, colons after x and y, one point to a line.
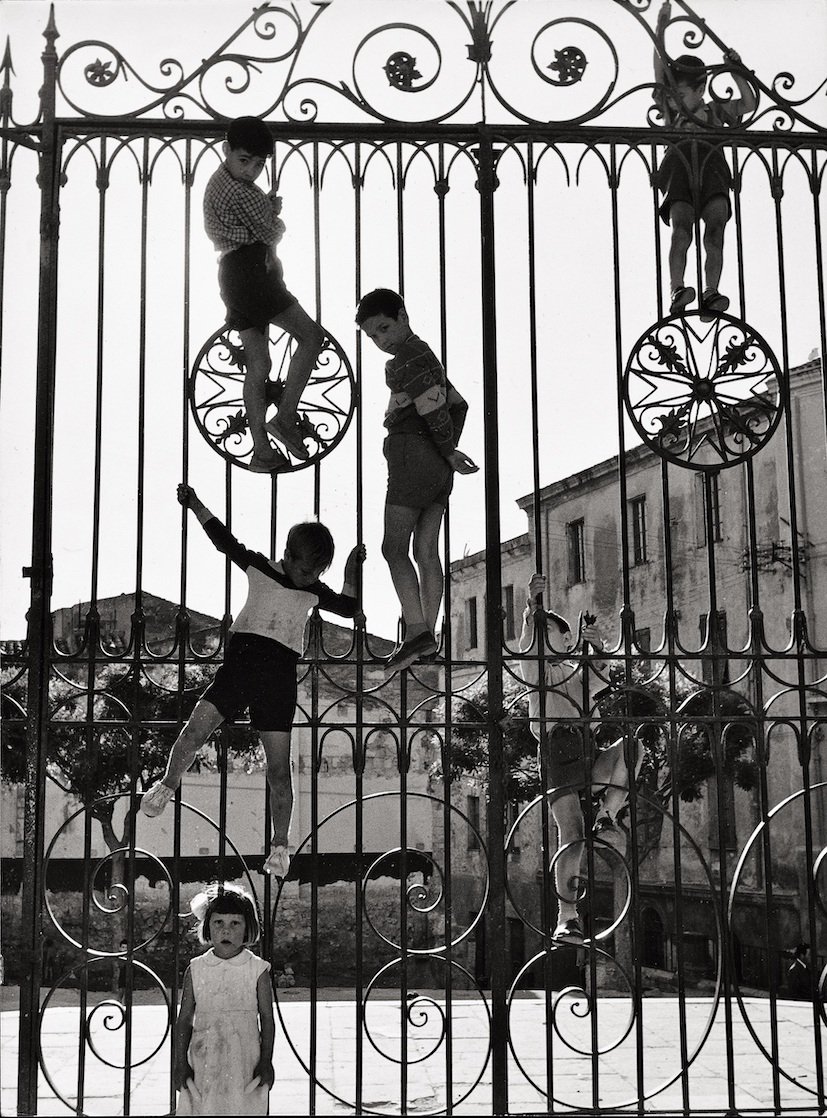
x: 681, y: 298
x: 713, y: 303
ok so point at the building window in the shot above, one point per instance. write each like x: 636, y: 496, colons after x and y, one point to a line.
x: 472, y: 810
x: 577, y: 551
x: 508, y: 607
x: 637, y: 510
x: 715, y: 509
x: 471, y: 622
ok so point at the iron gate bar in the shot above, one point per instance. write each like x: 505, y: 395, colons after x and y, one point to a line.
x: 493, y: 629
x: 40, y: 575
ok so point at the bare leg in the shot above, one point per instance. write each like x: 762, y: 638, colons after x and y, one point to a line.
x: 279, y: 782
x: 715, y: 216
x: 681, y: 217
x: 257, y: 356
x: 400, y: 522
x: 610, y: 768
x: 426, y: 557
x: 203, y: 721
x: 310, y: 338
x: 569, y: 819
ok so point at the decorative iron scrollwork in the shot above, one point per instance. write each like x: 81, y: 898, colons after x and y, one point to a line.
x: 216, y: 396
x: 704, y: 395
x: 569, y: 65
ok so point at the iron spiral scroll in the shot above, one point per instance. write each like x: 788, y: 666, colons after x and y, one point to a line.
x: 705, y: 395
x: 405, y: 1031
x: 460, y: 67
x: 216, y: 397
x: 110, y: 1044
x: 589, y: 1037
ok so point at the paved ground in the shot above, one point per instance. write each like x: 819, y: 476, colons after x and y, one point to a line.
x: 609, y: 1082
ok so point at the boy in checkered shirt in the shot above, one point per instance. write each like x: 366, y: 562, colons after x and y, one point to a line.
x: 244, y: 225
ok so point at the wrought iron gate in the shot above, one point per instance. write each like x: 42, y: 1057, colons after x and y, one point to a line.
x: 421, y: 933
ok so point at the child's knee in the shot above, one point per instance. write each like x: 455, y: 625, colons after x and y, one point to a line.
x: 259, y: 364
x: 278, y: 775
x: 426, y: 552
x: 392, y: 549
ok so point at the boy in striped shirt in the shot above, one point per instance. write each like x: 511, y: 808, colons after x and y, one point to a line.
x: 424, y: 419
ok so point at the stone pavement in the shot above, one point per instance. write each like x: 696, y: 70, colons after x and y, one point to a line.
x: 647, y: 1050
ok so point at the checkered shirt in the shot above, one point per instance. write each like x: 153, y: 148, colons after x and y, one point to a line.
x: 239, y: 213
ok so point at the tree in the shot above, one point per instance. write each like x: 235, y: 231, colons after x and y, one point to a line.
x: 104, y: 735
x: 703, y: 720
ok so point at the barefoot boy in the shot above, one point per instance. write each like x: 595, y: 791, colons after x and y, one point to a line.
x: 573, y: 764
x: 244, y: 225
x: 259, y: 669
x: 695, y: 177
x: 424, y: 419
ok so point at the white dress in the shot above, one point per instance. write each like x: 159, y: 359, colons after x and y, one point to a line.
x: 226, y: 1043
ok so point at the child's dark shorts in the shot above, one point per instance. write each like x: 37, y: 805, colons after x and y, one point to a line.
x: 251, y: 285
x: 258, y: 673
x: 678, y: 181
x: 568, y: 762
x: 418, y: 475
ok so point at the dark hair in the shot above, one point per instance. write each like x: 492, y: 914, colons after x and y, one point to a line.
x: 230, y: 899
x: 690, y: 69
x: 252, y: 134
x: 381, y: 301
x: 312, y: 541
x: 559, y: 621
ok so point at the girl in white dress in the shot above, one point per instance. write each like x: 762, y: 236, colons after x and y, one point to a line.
x: 225, y: 1029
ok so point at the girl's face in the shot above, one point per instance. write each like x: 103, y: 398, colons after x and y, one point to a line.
x: 227, y: 933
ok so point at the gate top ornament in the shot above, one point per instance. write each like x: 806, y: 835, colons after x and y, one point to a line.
x: 479, y: 60
x: 704, y: 395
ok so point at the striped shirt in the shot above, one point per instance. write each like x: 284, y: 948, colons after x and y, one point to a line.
x: 422, y: 397
x: 275, y: 608
x: 239, y: 213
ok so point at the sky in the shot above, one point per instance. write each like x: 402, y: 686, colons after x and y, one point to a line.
x: 105, y: 543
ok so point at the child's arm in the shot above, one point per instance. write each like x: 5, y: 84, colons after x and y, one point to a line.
x: 353, y: 565
x: 267, y: 1024
x: 183, y: 1034
x: 747, y: 102
x: 346, y: 603
x: 661, y: 79
x: 218, y: 533
x: 259, y: 212
x: 458, y: 411
x: 529, y: 668
x: 190, y: 500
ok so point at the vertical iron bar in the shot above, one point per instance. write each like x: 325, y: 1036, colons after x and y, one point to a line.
x: 359, y: 744
x: 493, y: 627
x: 39, y: 632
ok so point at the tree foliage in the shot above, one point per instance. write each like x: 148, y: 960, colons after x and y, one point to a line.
x: 101, y: 738
x: 639, y: 710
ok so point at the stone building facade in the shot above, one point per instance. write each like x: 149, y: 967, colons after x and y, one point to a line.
x: 581, y: 545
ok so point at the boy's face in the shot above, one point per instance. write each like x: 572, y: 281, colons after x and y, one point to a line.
x: 387, y: 333
x: 560, y: 641
x: 301, y: 570
x: 242, y: 164
x: 690, y: 96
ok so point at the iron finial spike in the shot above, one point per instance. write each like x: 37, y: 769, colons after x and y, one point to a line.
x: 6, y: 65
x: 51, y: 32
